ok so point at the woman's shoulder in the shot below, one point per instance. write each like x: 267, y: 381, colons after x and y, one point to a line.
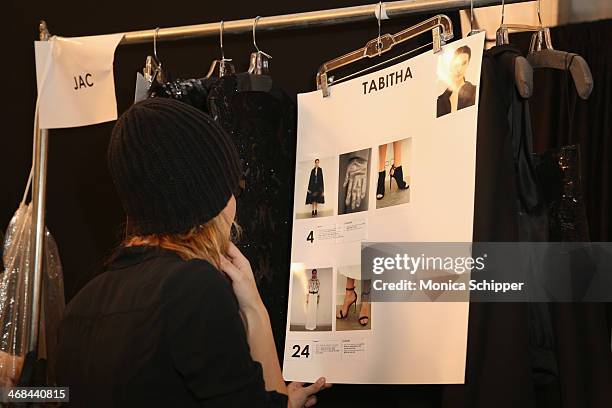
x: 197, y: 275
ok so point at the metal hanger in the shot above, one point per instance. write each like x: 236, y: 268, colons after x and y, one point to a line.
x: 153, y: 66
x: 523, y: 72
x: 440, y: 26
x: 259, y: 63
x: 225, y: 65
x: 543, y: 55
x: 472, y: 30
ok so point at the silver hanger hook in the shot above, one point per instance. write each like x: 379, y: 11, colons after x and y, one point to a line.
x: 221, y: 25
x: 155, y: 44
x: 503, y: 9
x: 254, y: 30
x: 471, y: 16
x: 539, y: 15
x: 379, y: 17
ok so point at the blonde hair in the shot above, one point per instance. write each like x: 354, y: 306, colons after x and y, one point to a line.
x: 207, y: 241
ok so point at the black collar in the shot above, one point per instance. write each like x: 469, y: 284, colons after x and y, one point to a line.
x: 132, y: 255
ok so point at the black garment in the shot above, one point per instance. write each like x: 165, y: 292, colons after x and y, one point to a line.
x: 497, y: 366
x: 559, y: 170
x: 561, y: 118
x: 315, y: 187
x: 157, y: 331
x: 191, y: 91
x: 467, y: 97
x: 261, y: 118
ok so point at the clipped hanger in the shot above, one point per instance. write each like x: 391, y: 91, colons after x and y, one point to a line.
x: 543, y: 55
x: 225, y: 65
x: 440, y: 26
x: 523, y: 72
x: 153, y: 66
x: 260, y: 61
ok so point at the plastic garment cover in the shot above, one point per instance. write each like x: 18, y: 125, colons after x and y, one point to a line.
x: 15, y: 286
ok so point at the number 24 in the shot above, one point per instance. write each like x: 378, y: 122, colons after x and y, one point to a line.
x: 301, y: 351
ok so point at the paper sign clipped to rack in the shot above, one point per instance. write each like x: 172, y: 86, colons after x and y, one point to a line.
x: 75, y: 80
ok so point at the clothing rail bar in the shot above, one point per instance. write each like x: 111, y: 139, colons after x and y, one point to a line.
x: 308, y: 19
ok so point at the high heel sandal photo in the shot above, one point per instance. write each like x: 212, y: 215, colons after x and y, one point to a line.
x: 397, y: 173
x: 340, y: 314
x: 365, y: 318
x: 380, y: 187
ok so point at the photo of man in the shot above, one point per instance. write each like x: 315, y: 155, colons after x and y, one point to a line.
x: 459, y: 93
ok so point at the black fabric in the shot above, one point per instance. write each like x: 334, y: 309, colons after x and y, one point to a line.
x: 262, y: 121
x: 315, y: 193
x: 559, y: 171
x: 560, y: 118
x: 154, y: 330
x: 467, y: 97
x: 498, y: 372
x: 173, y: 166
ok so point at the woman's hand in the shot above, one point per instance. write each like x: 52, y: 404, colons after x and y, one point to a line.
x: 237, y: 267
x: 300, y: 396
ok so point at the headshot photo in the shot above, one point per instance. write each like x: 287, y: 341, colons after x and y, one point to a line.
x: 353, y: 308
x: 353, y: 181
x: 460, y: 92
x: 394, y: 168
x: 311, y: 300
x: 310, y: 197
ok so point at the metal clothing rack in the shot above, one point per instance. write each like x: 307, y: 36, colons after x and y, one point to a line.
x: 281, y: 22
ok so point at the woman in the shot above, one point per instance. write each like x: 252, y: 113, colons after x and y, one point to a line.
x: 312, y: 301
x: 176, y: 319
x: 315, y: 194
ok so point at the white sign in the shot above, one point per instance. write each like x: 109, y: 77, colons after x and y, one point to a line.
x: 387, y: 157
x: 75, y: 80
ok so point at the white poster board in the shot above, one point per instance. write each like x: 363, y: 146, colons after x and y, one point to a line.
x: 411, y: 110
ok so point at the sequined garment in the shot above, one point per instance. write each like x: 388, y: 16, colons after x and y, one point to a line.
x: 261, y: 119
x: 263, y: 125
x: 191, y: 91
x: 559, y: 171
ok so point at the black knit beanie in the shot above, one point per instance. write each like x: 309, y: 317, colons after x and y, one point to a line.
x: 174, y: 167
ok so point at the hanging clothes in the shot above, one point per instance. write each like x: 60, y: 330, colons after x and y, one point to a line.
x: 261, y: 119
x: 561, y: 121
x: 497, y: 366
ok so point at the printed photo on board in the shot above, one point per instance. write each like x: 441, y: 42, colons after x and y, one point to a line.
x: 310, y: 198
x: 393, y: 186
x: 311, y: 300
x: 354, y: 181
x: 353, y: 308
x: 459, y: 93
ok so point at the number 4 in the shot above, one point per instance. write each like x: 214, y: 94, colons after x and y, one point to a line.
x: 310, y: 237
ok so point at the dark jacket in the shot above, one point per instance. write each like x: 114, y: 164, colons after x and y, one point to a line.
x: 315, y: 187
x: 157, y: 331
x: 467, y: 97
